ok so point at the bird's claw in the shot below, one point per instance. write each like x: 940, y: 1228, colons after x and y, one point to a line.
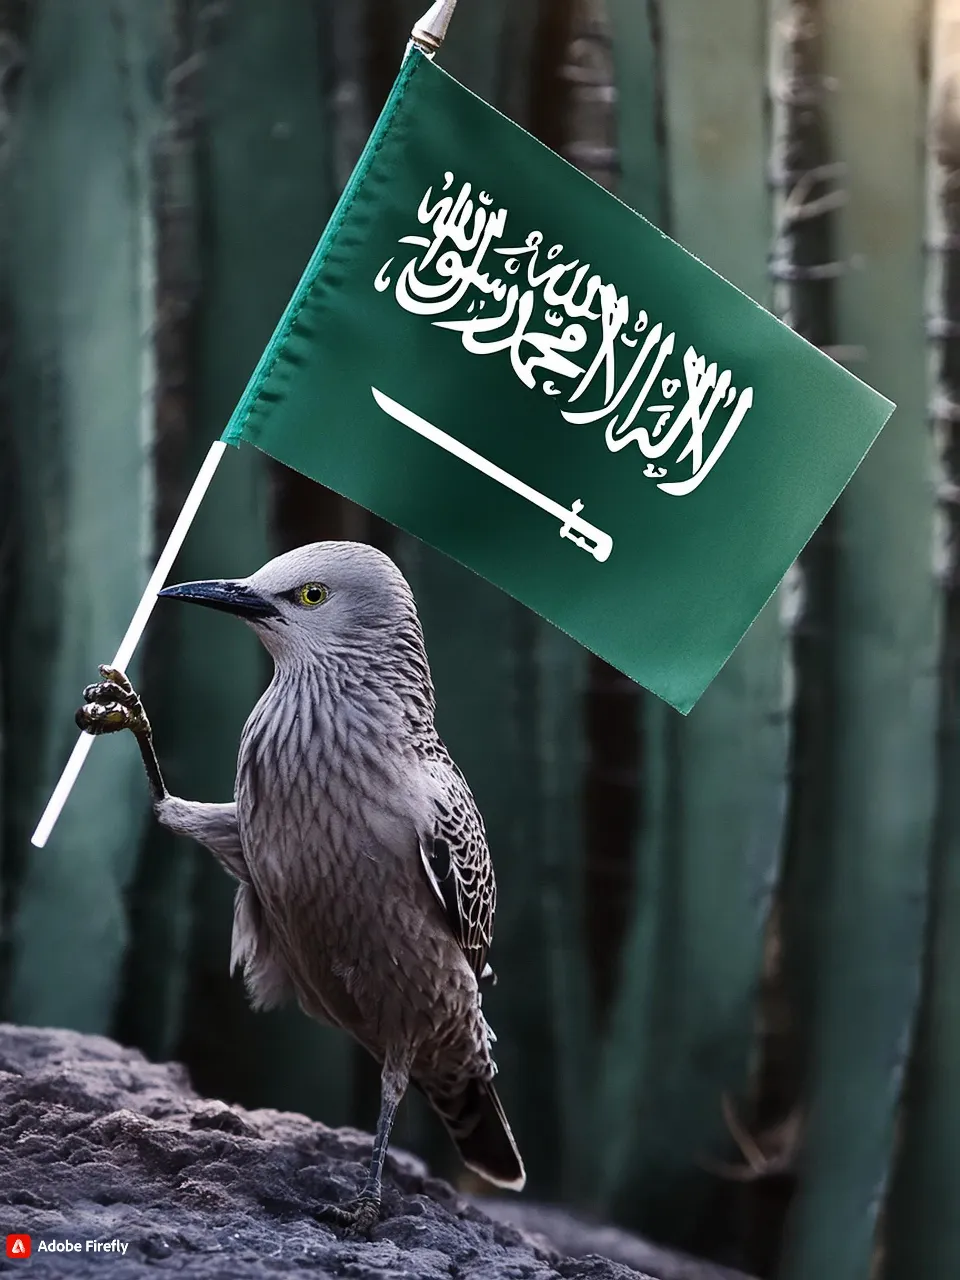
x: 356, y: 1217
x: 111, y: 705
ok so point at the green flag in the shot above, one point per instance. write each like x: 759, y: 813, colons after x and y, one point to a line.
x: 495, y: 354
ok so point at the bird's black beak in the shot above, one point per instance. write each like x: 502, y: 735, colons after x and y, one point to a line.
x: 228, y: 597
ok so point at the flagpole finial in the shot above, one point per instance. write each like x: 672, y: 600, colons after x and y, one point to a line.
x: 429, y: 33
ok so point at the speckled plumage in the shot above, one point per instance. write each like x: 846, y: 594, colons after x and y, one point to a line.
x: 366, y: 886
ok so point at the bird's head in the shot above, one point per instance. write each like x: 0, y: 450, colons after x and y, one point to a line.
x: 322, y: 598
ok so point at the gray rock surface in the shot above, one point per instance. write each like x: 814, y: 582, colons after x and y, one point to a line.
x: 99, y: 1145
x: 557, y: 1230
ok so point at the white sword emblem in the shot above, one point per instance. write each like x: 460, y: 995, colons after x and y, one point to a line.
x: 591, y: 539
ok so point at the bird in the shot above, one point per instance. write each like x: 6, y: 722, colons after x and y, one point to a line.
x: 365, y: 886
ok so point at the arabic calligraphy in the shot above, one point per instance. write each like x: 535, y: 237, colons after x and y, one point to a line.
x: 568, y: 333
x: 572, y: 525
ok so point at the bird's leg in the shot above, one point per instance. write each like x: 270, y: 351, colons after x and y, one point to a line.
x: 112, y: 705
x: 360, y: 1215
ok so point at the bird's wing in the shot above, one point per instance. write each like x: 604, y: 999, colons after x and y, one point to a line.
x: 457, y: 862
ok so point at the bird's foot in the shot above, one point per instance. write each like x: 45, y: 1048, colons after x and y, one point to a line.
x: 111, y: 705
x: 355, y: 1217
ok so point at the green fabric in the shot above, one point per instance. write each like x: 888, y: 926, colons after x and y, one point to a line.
x: 586, y: 392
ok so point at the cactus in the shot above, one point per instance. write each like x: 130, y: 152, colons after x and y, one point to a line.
x: 865, y: 881
x: 704, y: 894
x: 79, y: 374
x: 922, y: 1239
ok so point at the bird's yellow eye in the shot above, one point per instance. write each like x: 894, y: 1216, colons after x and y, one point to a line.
x: 311, y: 594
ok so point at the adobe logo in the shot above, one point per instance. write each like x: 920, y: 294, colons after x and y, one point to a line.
x: 18, y: 1246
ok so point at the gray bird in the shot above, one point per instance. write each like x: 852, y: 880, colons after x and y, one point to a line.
x: 365, y: 888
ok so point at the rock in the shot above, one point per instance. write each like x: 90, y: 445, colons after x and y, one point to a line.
x: 101, y: 1146
x: 568, y: 1234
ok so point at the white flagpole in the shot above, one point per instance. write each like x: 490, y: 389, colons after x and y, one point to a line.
x: 130, y: 641
x: 430, y: 32
x: 428, y: 35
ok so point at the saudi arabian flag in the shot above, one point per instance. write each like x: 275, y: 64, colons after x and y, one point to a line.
x: 498, y: 356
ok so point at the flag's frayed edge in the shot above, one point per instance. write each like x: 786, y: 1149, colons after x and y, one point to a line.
x: 233, y: 433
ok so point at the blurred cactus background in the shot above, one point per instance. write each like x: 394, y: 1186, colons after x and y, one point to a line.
x: 728, y: 945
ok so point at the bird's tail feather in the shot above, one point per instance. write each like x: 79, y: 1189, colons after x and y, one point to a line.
x: 476, y: 1122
